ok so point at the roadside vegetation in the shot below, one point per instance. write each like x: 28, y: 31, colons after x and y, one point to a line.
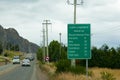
x: 11, y: 54
x: 7, y: 53
x: 59, y: 68
x: 8, y: 56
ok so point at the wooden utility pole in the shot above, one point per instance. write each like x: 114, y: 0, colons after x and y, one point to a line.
x: 46, y: 23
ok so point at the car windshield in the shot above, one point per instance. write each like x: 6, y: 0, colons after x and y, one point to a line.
x: 15, y: 58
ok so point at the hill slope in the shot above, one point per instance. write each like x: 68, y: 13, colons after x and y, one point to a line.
x: 10, y: 35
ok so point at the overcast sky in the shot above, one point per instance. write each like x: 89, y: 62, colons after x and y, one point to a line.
x: 27, y: 16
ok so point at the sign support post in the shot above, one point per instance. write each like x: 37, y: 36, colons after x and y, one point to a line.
x: 86, y: 69
x: 79, y: 43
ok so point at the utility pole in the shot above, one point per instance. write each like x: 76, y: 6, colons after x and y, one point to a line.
x: 43, y: 44
x: 60, y: 45
x: 47, y: 22
x: 75, y: 4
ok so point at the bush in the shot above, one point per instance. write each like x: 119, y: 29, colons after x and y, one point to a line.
x: 65, y: 66
x: 62, y: 65
x: 77, y: 70
x: 107, y: 76
x: 6, y: 54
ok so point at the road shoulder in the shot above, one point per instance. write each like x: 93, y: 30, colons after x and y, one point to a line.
x: 40, y: 74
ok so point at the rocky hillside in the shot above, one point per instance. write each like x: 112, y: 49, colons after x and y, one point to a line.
x: 10, y: 35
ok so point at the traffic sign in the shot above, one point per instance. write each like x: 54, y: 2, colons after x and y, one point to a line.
x: 47, y: 58
x: 79, y: 41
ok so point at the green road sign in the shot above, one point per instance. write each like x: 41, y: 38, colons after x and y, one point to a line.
x: 79, y: 41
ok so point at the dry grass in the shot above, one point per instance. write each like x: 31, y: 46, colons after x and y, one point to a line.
x: 96, y: 75
x: 13, y: 53
x: 10, y: 55
x: 50, y: 69
x: 114, y: 72
x: 69, y: 76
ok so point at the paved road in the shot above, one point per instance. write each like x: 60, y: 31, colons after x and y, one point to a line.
x: 20, y: 73
x: 7, y: 68
x: 17, y: 72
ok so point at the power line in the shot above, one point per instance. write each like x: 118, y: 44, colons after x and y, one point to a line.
x: 108, y: 30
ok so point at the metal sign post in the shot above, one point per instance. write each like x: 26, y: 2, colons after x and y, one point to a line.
x: 86, y: 69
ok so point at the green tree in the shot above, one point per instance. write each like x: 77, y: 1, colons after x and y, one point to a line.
x: 16, y: 48
x: 40, y: 54
x: 105, y: 57
x: 118, y: 49
x: 8, y: 46
x: 12, y: 47
x: 54, y: 51
x: 92, y: 62
x: 63, y: 54
x: 1, y: 48
x: 105, y: 48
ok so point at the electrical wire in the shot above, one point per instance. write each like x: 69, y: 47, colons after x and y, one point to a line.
x: 108, y: 30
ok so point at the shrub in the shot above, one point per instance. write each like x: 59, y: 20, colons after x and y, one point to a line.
x: 6, y: 54
x: 107, y: 76
x: 77, y: 70
x: 65, y: 66
x: 62, y: 65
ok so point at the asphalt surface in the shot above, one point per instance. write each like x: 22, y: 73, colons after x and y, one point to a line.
x: 18, y: 72
x: 6, y: 68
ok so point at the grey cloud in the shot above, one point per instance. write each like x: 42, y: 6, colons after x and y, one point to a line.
x: 31, y: 13
x: 18, y: 1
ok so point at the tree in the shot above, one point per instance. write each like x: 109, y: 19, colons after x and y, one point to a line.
x: 118, y: 49
x: 8, y: 46
x: 1, y: 48
x: 105, y: 57
x: 54, y: 51
x: 12, y: 47
x: 105, y: 48
x: 16, y: 47
x: 40, y: 54
x: 63, y: 54
x: 93, y: 61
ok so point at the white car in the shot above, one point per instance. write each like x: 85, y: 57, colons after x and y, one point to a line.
x: 16, y: 60
x: 26, y: 62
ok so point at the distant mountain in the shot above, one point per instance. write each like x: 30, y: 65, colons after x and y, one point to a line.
x: 10, y: 35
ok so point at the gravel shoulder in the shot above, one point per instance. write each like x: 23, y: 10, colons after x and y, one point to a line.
x: 41, y: 75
